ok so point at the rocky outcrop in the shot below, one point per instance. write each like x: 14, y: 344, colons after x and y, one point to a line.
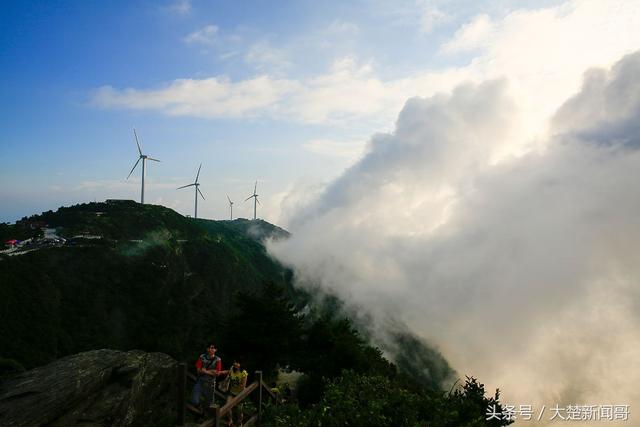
x: 95, y: 388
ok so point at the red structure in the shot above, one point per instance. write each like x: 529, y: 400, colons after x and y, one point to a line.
x: 11, y: 243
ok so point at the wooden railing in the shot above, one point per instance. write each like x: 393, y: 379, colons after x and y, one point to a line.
x: 215, y: 414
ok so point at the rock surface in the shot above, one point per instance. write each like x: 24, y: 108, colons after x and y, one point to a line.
x: 94, y: 388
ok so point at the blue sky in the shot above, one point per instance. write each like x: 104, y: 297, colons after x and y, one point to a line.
x: 287, y: 93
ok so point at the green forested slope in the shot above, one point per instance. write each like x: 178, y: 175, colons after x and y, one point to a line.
x: 155, y: 281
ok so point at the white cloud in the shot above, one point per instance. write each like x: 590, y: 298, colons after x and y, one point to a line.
x: 263, y: 56
x: 181, y: 7
x: 296, y: 197
x: 213, y: 97
x: 430, y: 16
x: 351, y: 150
x: 523, y: 272
x: 607, y: 107
x: 204, y: 36
x: 347, y: 91
x: 541, y: 52
x: 229, y: 54
x: 473, y: 35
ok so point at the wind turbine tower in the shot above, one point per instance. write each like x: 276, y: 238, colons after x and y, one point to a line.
x: 196, y: 185
x: 144, y: 159
x: 230, y: 207
x: 255, y: 199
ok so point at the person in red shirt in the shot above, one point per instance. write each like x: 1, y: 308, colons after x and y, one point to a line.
x: 209, y: 367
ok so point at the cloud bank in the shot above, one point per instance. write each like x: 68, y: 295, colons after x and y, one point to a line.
x: 523, y: 271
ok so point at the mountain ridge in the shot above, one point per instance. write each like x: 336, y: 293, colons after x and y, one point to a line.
x: 144, y: 265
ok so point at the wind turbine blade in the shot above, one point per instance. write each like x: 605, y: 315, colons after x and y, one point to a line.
x: 151, y: 158
x: 198, y: 172
x: 134, y: 167
x: 201, y: 194
x: 229, y: 199
x: 248, y: 198
x: 137, y: 143
x: 185, y: 186
x: 255, y: 188
x: 258, y: 201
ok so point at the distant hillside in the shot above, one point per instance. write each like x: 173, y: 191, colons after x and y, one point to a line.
x: 126, y: 219
x: 143, y: 276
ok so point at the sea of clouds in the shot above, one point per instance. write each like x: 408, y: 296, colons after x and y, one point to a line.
x: 522, y: 268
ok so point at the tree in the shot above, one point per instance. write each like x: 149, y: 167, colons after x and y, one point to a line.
x: 265, y: 331
x: 364, y: 400
x: 330, y: 347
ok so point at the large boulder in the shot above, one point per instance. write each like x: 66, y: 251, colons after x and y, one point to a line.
x: 95, y: 388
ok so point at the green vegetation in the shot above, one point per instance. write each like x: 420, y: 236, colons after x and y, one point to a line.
x: 354, y: 399
x: 345, y: 381
x: 265, y: 332
x: 19, y: 231
x: 157, y: 281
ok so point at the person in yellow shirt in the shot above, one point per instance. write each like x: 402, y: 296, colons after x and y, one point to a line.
x: 237, y: 383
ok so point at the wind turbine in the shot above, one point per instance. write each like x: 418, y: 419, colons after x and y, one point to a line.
x: 144, y: 159
x: 230, y: 206
x: 255, y: 199
x: 196, y: 185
